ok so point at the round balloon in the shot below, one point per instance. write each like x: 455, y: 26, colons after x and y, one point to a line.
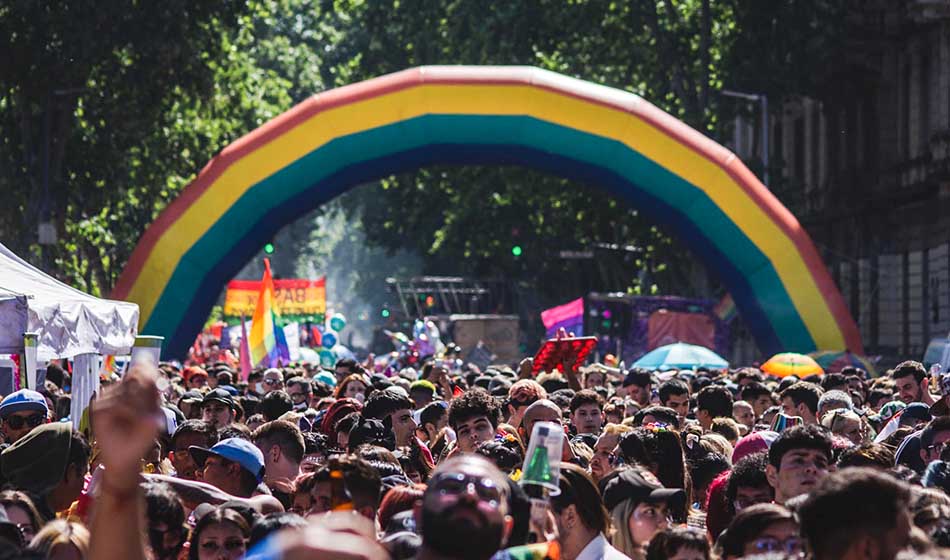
x: 327, y: 359
x: 337, y: 322
x: 329, y: 340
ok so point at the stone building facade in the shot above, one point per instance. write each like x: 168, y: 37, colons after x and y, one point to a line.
x: 868, y: 173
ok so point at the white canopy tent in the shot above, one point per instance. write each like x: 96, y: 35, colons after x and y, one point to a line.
x: 68, y: 321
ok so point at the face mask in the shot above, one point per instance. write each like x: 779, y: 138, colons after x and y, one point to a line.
x: 360, y: 397
x: 259, y: 387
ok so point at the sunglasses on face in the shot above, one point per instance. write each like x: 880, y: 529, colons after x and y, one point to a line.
x: 271, y: 382
x: 792, y: 545
x: 456, y: 484
x: 17, y: 422
x: 518, y: 403
x: 937, y: 447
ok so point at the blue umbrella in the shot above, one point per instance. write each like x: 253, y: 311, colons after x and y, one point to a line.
x: 681, y: 356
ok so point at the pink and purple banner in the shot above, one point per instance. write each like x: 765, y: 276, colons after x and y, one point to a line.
x: 570, y: 316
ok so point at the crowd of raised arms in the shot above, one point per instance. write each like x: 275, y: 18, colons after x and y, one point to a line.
x: 344, y: 462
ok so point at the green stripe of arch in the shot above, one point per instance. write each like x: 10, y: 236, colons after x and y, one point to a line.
x: 768, y: 290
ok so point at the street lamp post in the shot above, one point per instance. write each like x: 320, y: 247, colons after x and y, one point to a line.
x: 763, y: 101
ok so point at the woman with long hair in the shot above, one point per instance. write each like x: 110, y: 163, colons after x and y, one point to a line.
x: 659, y: 448
x: 354, y: 386
x: 639, y: 508
x: 22, y: 512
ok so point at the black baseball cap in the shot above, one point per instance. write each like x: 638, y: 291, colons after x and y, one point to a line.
x: 219, y: 395
x: 917, y: 411
x: 629, y: 485
x: 373, y: 432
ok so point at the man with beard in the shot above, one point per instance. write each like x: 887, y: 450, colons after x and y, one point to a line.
x: 912, y: 382
x: 464, y: 511
x: 798, y: 459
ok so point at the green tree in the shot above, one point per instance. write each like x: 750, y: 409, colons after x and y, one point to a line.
x: 81, y: 84
x: 132, y: 101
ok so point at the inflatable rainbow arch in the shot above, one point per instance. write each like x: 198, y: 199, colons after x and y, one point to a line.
x: 695, y: 188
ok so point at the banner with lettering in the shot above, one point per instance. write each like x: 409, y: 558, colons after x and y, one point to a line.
x: 292, y: 296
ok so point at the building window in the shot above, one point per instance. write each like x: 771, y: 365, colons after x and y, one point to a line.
x: 923, y: 107
x: 778, y: 146
x: 799, y: 148
x: 831, y: 135
x: 905, y: 109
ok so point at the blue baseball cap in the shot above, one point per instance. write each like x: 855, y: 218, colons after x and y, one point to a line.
x: 239, y: 450
x: 24, y: 399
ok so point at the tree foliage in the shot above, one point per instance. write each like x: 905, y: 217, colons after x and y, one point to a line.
x: 134, y: 98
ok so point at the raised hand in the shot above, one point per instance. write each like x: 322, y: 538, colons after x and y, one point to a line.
x: 125, y: 422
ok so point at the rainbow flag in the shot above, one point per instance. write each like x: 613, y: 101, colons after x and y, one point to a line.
x: 726, y: 309
x: 267, y: 342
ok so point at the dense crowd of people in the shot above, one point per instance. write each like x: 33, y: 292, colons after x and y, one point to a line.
x: 307, y: 462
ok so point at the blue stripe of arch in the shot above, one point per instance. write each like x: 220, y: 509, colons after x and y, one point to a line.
x: 249, y: 240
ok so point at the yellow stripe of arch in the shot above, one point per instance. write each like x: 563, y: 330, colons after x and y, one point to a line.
x: 492, y: 100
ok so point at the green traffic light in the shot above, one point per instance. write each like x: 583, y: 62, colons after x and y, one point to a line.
x: 384, y: 313
x: 269, y: 248
x: 516, y: 250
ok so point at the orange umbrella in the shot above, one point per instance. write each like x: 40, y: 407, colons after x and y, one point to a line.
x: 790, y: 363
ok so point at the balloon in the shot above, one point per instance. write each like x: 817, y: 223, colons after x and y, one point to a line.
x: 327, y: 359
x: 337, y: 322
x: 329, y: 340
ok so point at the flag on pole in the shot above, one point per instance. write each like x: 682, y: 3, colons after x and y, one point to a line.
x: 266, y: 340
x: 569, y: 316
x: 245, y: 352
x: 726, y: 309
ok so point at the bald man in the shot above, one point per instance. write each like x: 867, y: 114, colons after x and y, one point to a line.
x: 546, y: 411
x: 541, y: 410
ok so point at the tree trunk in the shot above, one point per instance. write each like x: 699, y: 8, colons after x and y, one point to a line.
x: 704, y: 40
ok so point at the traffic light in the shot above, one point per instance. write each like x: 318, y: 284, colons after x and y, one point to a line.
x: 384, y: 313
x: 269, y: 248
x: 516, y: 250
